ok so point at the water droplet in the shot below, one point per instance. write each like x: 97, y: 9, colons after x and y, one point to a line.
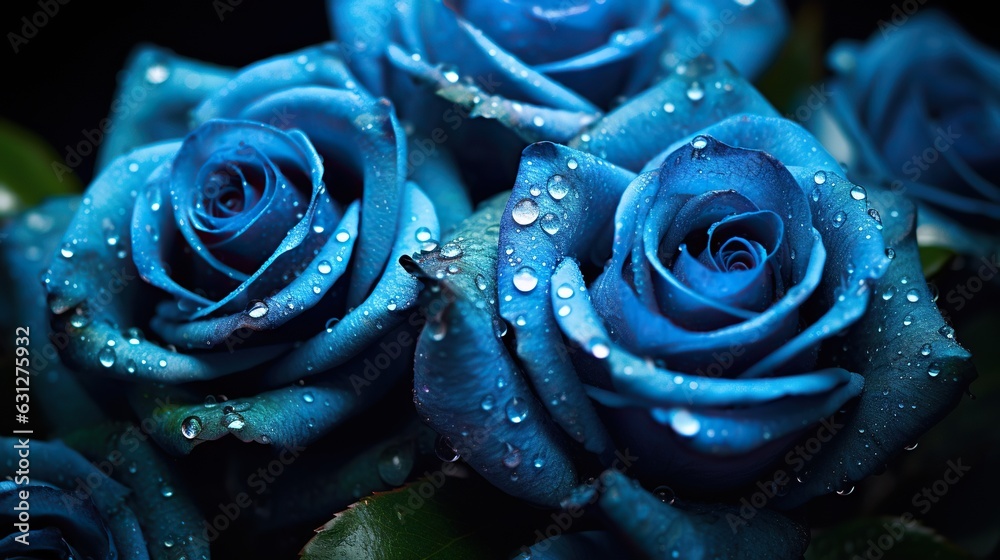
x: 234, y: 421
x: 487, y: 403
x: 934, y: 369
x: 191, y: 427
x: 911, y: 447
x: 600, y: 350
x: 130, y: 366
x: 451, y: 250
x: 557, y: 187
x: 550, y: 223
x: 343, y: 236
x: 947, y: 331
x: 819, y: 177
x: 517, y: 410
x: 167, y: 491
x: 699, y: 142
x: 890, y: 253
x: 481, y: 282
x: 908, y: 320
x: 858, y: 192
x: 873, y: 213
x: 847, y: 492
x: 331, y: 322
x: 394, y: 464
x: 423, y: 234
x: 525, y: 279
x: 839, y: 218
x: 913, y: 295
x: 257, y: 309
x: 450, y: 74
x: 695, y: 93
x: 817, y: 194
x: 513, y: 457
x: 669, y: 107
x: 324, y: 267
x: 665, y: 494
x: 106, y: 357
x: 538, y: 121
x: 684, y: 423
x: 308, y: 397
x: 571, y: 163
x: 163, y: 363
x: 157, y: 74
x: 134, y: 335
x: 925, y: 350
x: 445, y: 450
x: 564, y: 310
x: 525, y: 212
x: 565, y: 291
x: 66, y: 251
x: 888, y: 293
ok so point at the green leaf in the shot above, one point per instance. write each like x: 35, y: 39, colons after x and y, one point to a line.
x: 933, y: 259
x: 800, y: 62
x: 886, y: 538
x: 30, y: 170
x: 435, y: 518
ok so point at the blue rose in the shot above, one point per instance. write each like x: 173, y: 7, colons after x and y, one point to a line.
x: 542, y: 69
x: 60, y: 505
x: 258, y: 250
x: 916, y: 108
x: 690, y: 324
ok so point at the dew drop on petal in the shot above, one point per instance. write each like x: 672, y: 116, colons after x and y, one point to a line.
x: 516, y: 409
x: 107, y: 357
x: 487, y: 403
x: 699, y: 142
x: 525, y: 279
x: 557, y: 187
x: 191, y: 427
x: 913, y: 295
x: 451, y: 250
x: 571, y: 163
x: 564, y: 291
x: 858, y: 192
x: 684, y: 423
x: 839, y: 218
x: 324, y: 267
x: 819, y: 177
x: 525, y: 212
x: 257, y: 309
x: 423, y: 234
x: 550, y: 223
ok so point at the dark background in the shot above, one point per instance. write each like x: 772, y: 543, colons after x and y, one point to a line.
x: 63, y: 80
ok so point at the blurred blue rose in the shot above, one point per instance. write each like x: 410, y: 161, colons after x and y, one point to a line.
x: 57, y: 504
x: 544, y: 69
x: 916, y: 108
x: 696, y: 321
x: 259, y: 249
